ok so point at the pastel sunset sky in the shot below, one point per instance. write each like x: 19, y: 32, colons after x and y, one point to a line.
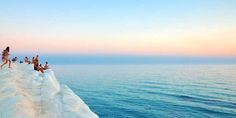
x: 120, y: 27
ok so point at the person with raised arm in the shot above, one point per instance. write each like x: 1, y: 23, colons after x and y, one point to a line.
x: 37, y: 65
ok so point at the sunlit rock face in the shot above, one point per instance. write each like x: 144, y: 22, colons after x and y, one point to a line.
x: 26, y: 93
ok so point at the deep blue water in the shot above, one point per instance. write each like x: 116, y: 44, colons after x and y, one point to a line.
x: 154, y: 91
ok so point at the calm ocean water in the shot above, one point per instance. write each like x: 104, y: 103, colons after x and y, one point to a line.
x: 154, y: 91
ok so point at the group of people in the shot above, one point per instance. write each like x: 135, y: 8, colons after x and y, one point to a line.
x: 35, y: 61
x: 37, y: 66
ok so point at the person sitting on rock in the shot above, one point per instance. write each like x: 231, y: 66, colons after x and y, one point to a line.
x: 27, y: 60
x: 36, y: 64
x: 14, y: 59
x: 40, y: 68
x: 46, y: 66
x: 35, y: 61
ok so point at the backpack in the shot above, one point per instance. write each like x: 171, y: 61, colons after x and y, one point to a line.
x: 3, y: 54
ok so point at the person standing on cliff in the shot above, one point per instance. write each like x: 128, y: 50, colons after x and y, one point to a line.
x: 6, y: 57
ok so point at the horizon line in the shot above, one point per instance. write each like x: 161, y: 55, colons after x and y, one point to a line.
x: 131, y: 59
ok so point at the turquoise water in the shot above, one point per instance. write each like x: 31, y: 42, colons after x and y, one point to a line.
x: 154, y: 91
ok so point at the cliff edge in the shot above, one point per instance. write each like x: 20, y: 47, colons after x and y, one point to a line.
x: 26, y: 93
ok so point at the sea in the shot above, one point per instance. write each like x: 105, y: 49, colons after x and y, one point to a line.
x: 154, y: 91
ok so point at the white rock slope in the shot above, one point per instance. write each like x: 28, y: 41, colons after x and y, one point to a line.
x: 25, y: 93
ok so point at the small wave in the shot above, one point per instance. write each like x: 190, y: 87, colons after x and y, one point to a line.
x: 209, y: 111
x: 212, y: 102
x: 208, y: 101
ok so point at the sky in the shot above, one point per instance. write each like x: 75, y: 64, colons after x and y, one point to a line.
x: 204, y: 28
